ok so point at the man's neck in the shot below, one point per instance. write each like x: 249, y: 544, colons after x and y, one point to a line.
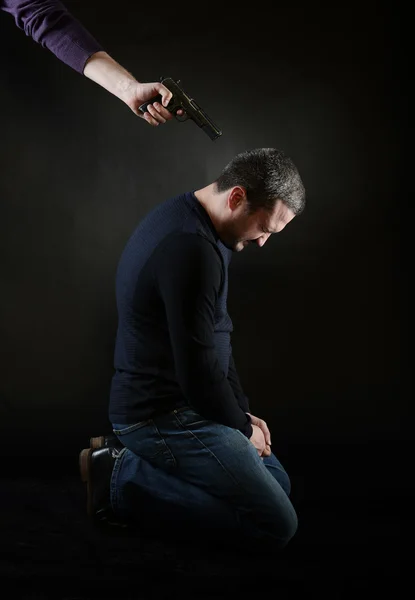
x: 205, y: 197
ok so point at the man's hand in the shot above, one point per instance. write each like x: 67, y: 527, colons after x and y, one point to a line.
x: 112, y: 76
x: 260, y: 423
x: 258, y: 440
x: 138, y: 93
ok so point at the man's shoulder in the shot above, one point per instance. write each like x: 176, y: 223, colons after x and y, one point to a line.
x: 170, y: 214
x: 176, y: 227
x: 189, y: 240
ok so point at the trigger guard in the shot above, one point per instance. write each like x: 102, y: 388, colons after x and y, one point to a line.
x: 182, y: 117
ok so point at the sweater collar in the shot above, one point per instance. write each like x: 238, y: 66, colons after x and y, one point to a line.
x: 206, y: 221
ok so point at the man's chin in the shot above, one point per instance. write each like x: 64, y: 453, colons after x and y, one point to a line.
x: 239, y: 246
x: 235, y: 246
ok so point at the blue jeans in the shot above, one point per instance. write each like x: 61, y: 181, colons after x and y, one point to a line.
x: 183, y: 468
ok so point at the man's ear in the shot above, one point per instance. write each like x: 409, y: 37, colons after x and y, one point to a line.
x: 236, y: 197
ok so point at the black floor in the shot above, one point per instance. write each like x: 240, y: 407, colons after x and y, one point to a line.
x: 354, y: 503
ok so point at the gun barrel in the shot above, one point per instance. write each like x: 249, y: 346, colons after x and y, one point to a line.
x: 204, y: 121
x: 212, y: 131
x: 192, y: 109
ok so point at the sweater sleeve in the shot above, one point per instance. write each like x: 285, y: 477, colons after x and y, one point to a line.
x: 189, y: 275
x: 236, y: 386
x: 50, y: 24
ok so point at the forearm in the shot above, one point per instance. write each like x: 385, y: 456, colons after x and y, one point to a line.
x: 106, y: 72
x: 188, y: 272
x: 235, y: 383
x: 50, y: 24
x: 206, y: 387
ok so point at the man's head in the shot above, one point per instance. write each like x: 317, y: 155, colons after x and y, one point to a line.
x: 258, y: 193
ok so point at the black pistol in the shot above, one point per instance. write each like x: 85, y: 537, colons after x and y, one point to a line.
x: 180, y: 100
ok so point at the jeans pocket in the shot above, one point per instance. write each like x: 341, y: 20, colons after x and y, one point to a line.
x: 125, y: 429
x: 188, y: 417
x: 145, y: 440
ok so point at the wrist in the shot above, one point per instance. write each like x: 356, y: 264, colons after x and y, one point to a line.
x: 125, y: 87
x: 106, y: 72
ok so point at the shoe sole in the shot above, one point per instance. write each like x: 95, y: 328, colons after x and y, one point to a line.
x: 85, y: 471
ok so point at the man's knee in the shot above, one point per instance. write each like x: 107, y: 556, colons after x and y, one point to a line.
x: 289, y: 527
x: 275, y: 533
x: 284, y: 525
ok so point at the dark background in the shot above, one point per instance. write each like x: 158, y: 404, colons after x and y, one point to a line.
x: 317, y: 312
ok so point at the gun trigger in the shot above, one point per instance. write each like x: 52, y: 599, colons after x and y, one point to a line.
x: 182, y: 117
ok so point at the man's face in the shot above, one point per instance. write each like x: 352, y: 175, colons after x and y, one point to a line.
x: 243, y: 228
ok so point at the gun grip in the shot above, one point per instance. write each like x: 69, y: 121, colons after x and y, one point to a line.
x: 171, y: 107
x: 143, y: 107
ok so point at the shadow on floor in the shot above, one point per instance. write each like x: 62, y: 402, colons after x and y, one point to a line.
x: 351, y: 523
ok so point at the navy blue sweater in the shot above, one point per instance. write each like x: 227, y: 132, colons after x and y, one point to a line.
x: 173, y: 345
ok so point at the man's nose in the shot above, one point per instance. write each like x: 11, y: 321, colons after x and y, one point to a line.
x: 262, y: 239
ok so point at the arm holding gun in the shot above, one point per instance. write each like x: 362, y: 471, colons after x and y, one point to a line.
x: 183, y: 107
x: 50, y: 24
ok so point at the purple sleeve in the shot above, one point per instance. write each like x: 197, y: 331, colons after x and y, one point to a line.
x: 50, y: 24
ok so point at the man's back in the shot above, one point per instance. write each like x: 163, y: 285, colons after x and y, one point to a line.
x: 146, y: 379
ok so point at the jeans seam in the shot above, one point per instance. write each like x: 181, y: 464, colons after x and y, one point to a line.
x: 131, y: 428
x: 166, y: 446
x: 187, y: 430
x: 114, y: 477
